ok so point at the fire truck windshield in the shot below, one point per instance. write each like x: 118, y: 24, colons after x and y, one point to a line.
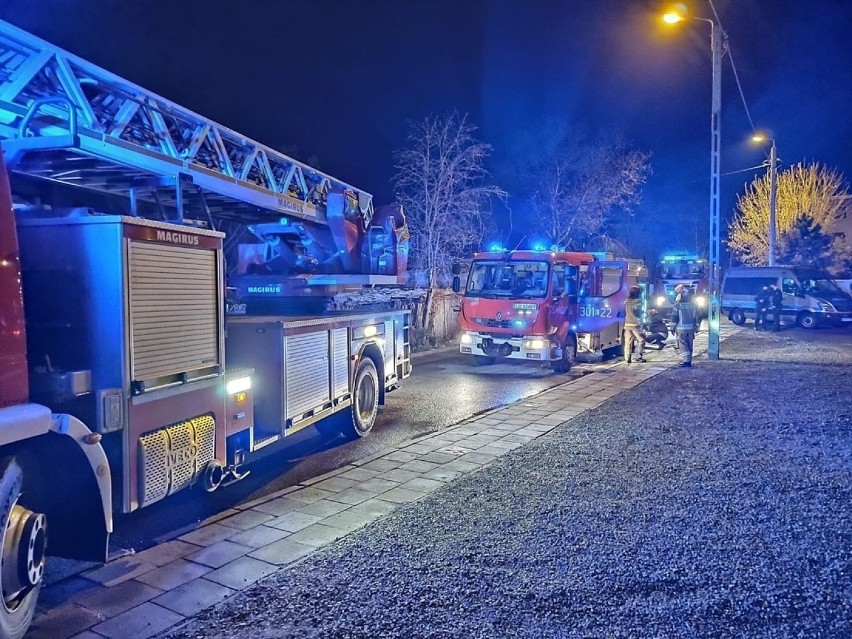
x: 681, y: 269
x: 499, y: 278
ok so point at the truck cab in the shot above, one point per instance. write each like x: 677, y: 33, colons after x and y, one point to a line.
x: 677, y: 268
x: 521, y: 305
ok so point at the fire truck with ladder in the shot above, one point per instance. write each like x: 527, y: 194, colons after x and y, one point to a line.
x: 543, y: 306
x: 162, y: 281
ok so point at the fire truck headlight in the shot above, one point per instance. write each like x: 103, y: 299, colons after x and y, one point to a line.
x: 238, y: 385
x: 466, y: 338
x: 535, y: 344
x: 661, y: 299
x: 701, y: 301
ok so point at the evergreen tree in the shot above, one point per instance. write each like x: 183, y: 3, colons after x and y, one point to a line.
x: 806, y: 244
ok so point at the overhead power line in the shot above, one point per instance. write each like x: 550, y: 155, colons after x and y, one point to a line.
x: 734, y: 68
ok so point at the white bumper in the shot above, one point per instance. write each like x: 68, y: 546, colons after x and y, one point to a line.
x: 534, y: 348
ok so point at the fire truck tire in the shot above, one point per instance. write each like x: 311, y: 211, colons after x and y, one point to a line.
x: 483, y: 360
x: 569, y: 356
x: 365, y: 397
x: 24, y: 540
x: 737, y: 316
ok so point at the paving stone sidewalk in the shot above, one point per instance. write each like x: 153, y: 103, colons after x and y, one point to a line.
x: 143, y: 594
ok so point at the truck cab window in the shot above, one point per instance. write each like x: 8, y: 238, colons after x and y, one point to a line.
x: 558, y: 280
x: 610, y: 280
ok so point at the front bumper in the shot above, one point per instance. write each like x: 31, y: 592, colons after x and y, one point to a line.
x: 533, y: 348
x: 835, y: 319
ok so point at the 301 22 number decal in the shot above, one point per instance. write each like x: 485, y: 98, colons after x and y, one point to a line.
x: 595, y: 311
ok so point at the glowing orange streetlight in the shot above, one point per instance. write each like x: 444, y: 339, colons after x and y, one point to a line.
x: 675, y: 14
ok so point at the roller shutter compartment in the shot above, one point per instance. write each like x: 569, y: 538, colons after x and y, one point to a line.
x: 174, y: 313
x: 308, y: 375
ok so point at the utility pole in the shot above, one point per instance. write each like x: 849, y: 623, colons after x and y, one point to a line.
x: 716, y: 47
x: 773, y: 195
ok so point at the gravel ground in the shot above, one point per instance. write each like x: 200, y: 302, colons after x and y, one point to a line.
x: 711, y: 502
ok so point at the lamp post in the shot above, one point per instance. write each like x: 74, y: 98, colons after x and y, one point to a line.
x: 717, y: 40
x: 773, y: 194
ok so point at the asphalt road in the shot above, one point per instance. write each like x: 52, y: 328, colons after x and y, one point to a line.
x: 444, y: 389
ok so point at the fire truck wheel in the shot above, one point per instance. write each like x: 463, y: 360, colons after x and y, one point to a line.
x: 737, y: 317
x: 483, y: 360
x: 24, y: 542
x: 569, y: 356
x: 365, y: 394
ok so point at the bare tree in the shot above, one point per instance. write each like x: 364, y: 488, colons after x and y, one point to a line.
x: 442, y: 183
x: 579, y: 187
x: 810, y: 190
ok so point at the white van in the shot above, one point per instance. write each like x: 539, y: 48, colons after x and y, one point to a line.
x: 811, y: 298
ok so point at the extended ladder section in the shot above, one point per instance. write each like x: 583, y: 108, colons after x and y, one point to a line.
x: 67, y: 120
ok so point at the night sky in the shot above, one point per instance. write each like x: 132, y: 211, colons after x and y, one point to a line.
x: 339, y: 79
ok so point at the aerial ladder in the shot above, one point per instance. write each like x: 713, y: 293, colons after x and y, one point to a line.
x: 162, y: 281
x: 65, y: 120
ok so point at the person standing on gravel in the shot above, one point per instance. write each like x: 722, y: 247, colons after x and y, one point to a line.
x: 776, y: 300
x: 684, y: 318
x: 632, y: 323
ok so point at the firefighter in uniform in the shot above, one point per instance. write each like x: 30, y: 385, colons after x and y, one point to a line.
x: 684, y: 318
x: 632, y: 324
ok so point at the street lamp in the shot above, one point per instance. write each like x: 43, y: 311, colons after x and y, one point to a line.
x: 773, y: 193
x: 717, y: 39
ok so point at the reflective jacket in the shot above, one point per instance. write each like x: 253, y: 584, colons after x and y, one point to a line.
x: 685, y: 316
x: 632, y: 312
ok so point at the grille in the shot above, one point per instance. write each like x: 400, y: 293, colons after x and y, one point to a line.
x: 493, y: 323
x: 171, y: 458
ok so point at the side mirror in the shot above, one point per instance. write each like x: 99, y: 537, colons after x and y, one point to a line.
x: 456, y: 283
x: 455, y: 269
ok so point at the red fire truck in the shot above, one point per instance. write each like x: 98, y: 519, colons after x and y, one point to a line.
x: 542, y: 306
x: 127, y: 226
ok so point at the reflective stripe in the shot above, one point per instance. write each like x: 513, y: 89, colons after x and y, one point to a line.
x: 686, y: 313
